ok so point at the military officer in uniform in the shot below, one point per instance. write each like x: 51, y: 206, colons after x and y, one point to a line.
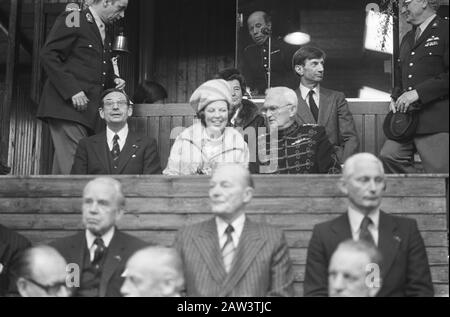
x: 255, y: 58
x: 423, y: 86
x: 291, y: 148
x: 77, y: 60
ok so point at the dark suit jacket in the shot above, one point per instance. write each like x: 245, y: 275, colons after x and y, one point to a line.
x: 423, y: 66
x: 337, y: 119
x: 261, y: 266
x: 404, y: 269
x: 122, y: 246
x: 138, y: 156
x: 11, y: 244
x: 75, y: 60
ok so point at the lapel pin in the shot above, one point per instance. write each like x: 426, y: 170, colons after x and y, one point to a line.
x: 89, y: 18
x: 397, y: 238
x: 133, y: 156
x: 118, y: 258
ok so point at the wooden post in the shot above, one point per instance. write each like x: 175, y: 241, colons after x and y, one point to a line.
x: 10, y: 78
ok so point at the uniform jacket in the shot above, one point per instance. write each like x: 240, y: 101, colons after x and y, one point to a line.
x: 337, y: 119
x: 260, y: 268
x: 423, y: 66
x: 404, y: 269
x: 138, y: 156
x: 75, y: 60
x: 255, y: 64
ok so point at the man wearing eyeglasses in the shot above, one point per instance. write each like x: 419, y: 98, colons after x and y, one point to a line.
x: 291, y: 148
x: 421, y: 85
x: 116, y: 150
x: 41, y: 272
x: 77, y: 60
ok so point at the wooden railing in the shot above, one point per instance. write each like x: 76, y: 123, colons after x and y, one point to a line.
x: 163, y: 121
x: 45, y: 208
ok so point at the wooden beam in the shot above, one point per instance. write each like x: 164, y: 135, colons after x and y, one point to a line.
x: 10, y: 79
x: 38, y: 39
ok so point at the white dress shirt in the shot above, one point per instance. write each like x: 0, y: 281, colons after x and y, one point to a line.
x: 238, y: 225
x: 355, y: 218
x: 123, y: 134
x: 90, y: 238
x: 305, y: 94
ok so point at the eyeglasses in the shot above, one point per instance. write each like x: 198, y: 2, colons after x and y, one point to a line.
x: 110, y: 104
x: 272, y: 109
x: 52, y: 289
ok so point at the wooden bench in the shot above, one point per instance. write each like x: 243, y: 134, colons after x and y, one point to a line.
x: 49, y: 207
x: 163, y: 121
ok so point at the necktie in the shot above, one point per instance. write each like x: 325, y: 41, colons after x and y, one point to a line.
x: 115, y: 149
x: 417, y: 34
x: 313, y: 106
x: 99, y: 250
x: 364, y: 233
x: 228, y: 249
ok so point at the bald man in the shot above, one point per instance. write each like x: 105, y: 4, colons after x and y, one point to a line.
x: 230, y: 255
x: 255, y: 57
x: 41, y: 272
x: 404, y: 269
x: 354, y: 270
x: 154, y: 272
x: 101, y: 250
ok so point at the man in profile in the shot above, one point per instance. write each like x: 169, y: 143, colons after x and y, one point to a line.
x: 354, y: 270
x: 116, y: 150
x: 255, y: 58
x: 155, y: 271
x: 41, y: 272
x: 101, y: 250
x: 230, y: 255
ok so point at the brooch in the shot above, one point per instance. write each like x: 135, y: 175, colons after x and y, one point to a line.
x: 89, y: 18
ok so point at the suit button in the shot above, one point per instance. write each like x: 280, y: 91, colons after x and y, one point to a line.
x: 413, y: 53
x: 103, y: 85
x: 409, y: 76
x: 265, y: 65
x: 104, y: 73
x: 90, y: 45
x: 430, y: 53
x: 265, y: 57
x: 104, y: 62
x: 411, y: 64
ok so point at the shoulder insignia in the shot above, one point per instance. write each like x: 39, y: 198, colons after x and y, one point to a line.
x: 89, y: 18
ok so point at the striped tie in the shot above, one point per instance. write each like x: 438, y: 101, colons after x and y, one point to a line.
x: 115, y: 149
x: 228, y: 249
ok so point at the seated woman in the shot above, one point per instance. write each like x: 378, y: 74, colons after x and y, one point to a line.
x: 208, y: 141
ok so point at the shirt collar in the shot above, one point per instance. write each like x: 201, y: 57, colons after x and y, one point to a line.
x: 305, y: 90
x: 123, y: 133
x: 425, y: 23
x: 97, y: 18
x: 356, y: 217
x: 107, y: 237
x: 238, y: 225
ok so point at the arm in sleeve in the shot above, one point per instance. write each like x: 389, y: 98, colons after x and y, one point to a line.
x: 152, y: 164
x: 54, y: 54
x: 326, y: 158
x: 80, y: 161
x: 347, y: 130
x: 316, y: 274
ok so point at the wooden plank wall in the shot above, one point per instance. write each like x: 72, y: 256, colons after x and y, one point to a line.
x: 45, y: 208
x: 164, y: 122
x: 192, y: 43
